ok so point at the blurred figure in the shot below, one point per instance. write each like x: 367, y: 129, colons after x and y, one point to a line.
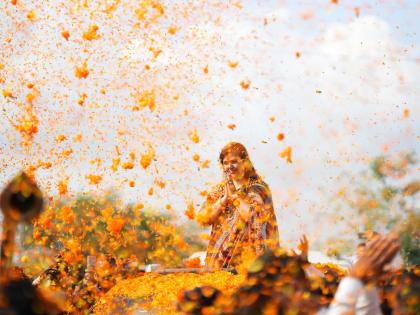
x: 20, y: 297
x: 20, y: 201
x: 357, y: 293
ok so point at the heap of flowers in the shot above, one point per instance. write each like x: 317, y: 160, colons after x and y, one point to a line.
x: 159, y: 293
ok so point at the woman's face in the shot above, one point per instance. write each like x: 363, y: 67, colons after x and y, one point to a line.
x: 234, y: 166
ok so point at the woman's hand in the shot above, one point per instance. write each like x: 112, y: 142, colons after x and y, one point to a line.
x: 216, y: 201
x: 230, y: 186
x: 225, y: 198
x: 229, y: 192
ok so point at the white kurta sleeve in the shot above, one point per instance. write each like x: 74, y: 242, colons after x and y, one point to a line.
x: 352, y: 297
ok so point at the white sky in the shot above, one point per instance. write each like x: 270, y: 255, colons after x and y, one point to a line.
x: 367, y: 69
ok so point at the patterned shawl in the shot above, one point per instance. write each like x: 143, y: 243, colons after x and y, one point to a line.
x: 231, y: 236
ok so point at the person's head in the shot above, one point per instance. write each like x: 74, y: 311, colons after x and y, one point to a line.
x: 236, y: 163
x: 360, y: 249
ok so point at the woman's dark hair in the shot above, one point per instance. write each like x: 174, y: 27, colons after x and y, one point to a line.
x: 240, y: 150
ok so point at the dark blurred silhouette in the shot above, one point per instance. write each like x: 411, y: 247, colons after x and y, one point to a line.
x: 21, y: 201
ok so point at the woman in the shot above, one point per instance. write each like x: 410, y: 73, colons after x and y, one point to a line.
x: 240, y: 211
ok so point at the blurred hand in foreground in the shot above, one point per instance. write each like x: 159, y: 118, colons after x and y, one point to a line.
x: 378, y: 253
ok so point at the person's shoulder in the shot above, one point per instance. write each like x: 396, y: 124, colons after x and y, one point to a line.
x: 259, y: 186
x: 261, y: 189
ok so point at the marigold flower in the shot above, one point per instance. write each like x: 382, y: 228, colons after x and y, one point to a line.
x: 280, y: 136
x: 138, y: 206
x: 82, y: 72
x: 68, y: 215
x: 245, y: 84
x: 287, y: 153
x: 94, y: 179
x: 7, y: 93
x: 77, y: 138
x: 91, y: 33
x: 205, y: 164
x: 27, y: 125
x: 194, y: 136
x: 146, y: 99
x: 233, y: 64
x: 31, y: 15
x: 372, y: 204
x: 82, y: 99
x: 115, y: 225
x: 193, y: 263
x: 190, y: 211
x: 60, y: 138
x: 128, y: 165
x: 67, y: 152
x: 172, y: 30
x: 146, y: 159
x: 30, y: 97
x: 160, y: 183
x: 37, y: 234
x: 62, y: 187
x: 107, y: 212
x: 115, y: 164
x: 65, y: 34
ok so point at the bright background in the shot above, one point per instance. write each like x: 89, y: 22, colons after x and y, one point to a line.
x: 339, y: 80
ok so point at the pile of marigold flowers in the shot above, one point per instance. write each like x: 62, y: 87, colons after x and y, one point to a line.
x: 159, y: 293
x: 267, y: 284
x: 274, y: 284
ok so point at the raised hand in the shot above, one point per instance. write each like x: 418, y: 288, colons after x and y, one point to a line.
x: 225, y: 198
x: 376, y: 255
x: 229, y: 191
x: 303, y: 246
x: 230, y: 186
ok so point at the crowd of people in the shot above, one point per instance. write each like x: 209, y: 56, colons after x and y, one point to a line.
x: 279, y: 282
